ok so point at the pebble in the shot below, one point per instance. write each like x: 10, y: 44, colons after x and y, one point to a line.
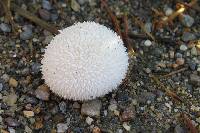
x: 194, y: 51
x: 168, y: 11
x: 183, y: 47
x: 46, y: 5
x: 76, y: 105
x: 5, y: 27
x: 171, y: 54
x: 89, y: 120
x: 128, y: 114
x: 112, y: 107
x: 145, y: 96
x: 42, y: 92
x: 5, y: 77
x: 12, y: 122
x: 126, y: 126
x: 91, y: 108
x: 1, y: 86
x: 27, y: 32
x: 35, y: 68
x: 178, y: 55
x: 48, y: 39
x: 28, y: 114
x: 195, y: 79
x: 81, y: 2
x: 96, y: 130
x: 192, y: 66
x: 62, y: 127
x: 180, y: 61
x: 28, y: 129
x: 54, y: 16
x: 63, y: 107
x: 1, y: 119
x: 13, y: 82
x: 179, y: 129
x: 187, y: 36
x: 187, y: 20
x: 1, y: 97
x: 11, y: 130
x: 75, y: 5
x: 147, y: 43
x: 11, y: 99
x: 44, y: 14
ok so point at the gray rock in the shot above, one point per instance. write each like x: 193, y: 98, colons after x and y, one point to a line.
x: 147, y: 43
x: 5, y: 27
x: 179, y: 129
x: 62, y: 127
x: 46, y: 5
x: 12, y: 122
x: 178, y: 55
x: 187, y: 36
x: 54, y: 16
x: 27, y: 32
x: 1, y: 86
x: 35, y: 68
x: 5, y: 77
x: 194, y: 51
x: 81, y: 2
x: 91, y: 108
x: 192, y: 65
x: 42, y: 92
x: 183, y: 47
x: 63, y: 107
x: 187, y: 20
x: 11, y: 130
x: 44, y: 14
x: 146, y: 96
x: 195, y: 79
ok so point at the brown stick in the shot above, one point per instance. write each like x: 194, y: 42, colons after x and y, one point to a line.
x: 6, y: 7
x: 34, y: 19
x: 126, y: 37
x: 166, y: 90
x: 113, y: 18
x: 175, y: 72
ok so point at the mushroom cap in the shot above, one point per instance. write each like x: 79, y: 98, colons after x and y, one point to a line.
x: 84, y: 61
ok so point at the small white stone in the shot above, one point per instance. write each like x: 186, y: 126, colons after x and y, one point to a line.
x: 126, y: 126
x: 168, y: 11
x: 147, y: 43
x: 89, y: 120
x: 183, y: 47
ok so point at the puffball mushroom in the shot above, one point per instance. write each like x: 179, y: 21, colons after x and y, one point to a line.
x: 84, y: 61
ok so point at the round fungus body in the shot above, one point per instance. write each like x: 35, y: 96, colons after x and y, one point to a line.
x: 84, y: 61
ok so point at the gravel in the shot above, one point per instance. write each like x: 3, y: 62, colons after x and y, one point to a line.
x: 91, y: 108
x: 5, y: 27
x: 140, y: 104
x: 27, y: 32
x: 187, y: 36
x: 187, y: 20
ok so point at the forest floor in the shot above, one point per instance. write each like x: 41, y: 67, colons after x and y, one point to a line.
x: 161, y: 92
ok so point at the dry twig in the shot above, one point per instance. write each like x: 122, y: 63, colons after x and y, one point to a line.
x: 34, y: 19
x: 174, y: 72
x: 166, y: 90
x: 113, y: 18
x: 126, y: 37
x: 6, y: 7
x: 188, y: 123
x: 141, y: 24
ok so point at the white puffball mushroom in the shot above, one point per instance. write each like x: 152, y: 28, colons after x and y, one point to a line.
x: 85, y: 61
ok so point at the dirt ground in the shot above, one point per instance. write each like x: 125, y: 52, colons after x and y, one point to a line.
x: 161, y: 92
